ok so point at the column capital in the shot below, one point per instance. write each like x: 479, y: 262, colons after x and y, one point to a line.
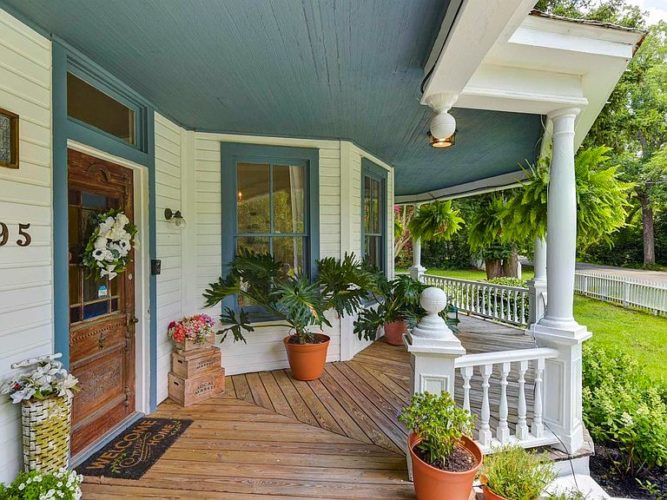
x: 557, y: 113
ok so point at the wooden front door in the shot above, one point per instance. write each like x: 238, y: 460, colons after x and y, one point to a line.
x: 102, y: 319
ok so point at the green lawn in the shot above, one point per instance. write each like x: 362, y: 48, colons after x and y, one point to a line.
x: 641, y: 335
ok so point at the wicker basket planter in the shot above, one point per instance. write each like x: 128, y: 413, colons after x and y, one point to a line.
x: 46, y: 433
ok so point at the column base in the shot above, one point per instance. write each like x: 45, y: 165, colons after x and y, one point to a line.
x: 561, y: 333
x: 416, y: 272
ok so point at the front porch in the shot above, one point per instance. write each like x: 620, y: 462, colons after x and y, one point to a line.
x: 337, y: 437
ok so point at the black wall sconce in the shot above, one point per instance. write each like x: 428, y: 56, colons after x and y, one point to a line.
x: 174, y: 216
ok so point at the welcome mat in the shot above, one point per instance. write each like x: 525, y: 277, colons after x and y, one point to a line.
x: 135, y: 450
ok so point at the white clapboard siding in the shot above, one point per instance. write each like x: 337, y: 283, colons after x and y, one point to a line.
x: 168, y: 176
x: 26, y: 296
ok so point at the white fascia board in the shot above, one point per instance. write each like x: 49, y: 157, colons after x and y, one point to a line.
x: 488, y: 185
x: 476, y: 28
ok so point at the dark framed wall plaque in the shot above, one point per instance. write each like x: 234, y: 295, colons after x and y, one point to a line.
x: 9, y: 139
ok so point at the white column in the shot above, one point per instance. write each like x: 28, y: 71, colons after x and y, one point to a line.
x: 433, y: 348
x: 417, y: 271
x: 558, y: 329
x: 538, y: 285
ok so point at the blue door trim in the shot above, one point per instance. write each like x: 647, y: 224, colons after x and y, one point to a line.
x: 67, y: 59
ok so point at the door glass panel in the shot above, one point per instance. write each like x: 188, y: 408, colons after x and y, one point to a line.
x: 114, y: 305
x: 92, y: 200
x: 253, y: 198
x: 74, y: 314
x: 89, y: 105
x: 290, y: 252
x: 288, y: 199
x: 74, y: 231
x: 95, y: 309
x: 74, y: 284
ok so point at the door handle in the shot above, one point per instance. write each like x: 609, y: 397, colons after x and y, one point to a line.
x: 133, y: 320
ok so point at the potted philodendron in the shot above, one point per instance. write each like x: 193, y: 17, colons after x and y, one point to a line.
x: 444, y: 458
x: 293, y: 300
x: 397, y: 306
x: 513, y: 473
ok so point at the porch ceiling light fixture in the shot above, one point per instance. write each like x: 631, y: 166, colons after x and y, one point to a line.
x: 174, y: 216
x: 442, y: 143
x: 443, y: 125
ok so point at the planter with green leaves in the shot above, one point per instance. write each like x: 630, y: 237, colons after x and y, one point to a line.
x: 291, y: 300
x: 397, y: 307
x: 444, y: 458
x: 513, y: 473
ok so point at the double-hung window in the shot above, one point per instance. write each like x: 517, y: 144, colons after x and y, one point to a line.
x: 374, y: 214
x: 270, y: 204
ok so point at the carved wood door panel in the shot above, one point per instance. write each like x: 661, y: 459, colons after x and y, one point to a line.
x: 102, y: 315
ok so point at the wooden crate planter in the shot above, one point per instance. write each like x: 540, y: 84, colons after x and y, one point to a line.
x: 189, y: 345
x: 187, y: 364
x: 46, y: 433
x: 189, y: 391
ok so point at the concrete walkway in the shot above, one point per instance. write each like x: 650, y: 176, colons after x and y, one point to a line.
x: 636, y: 274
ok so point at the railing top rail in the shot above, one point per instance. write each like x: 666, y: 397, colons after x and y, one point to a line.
x: 478, y: 283
x: 489, y: 358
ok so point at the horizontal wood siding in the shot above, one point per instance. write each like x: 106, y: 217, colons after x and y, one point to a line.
x: 26, y: 296
x: 168, y: 154
x: 264, y: 349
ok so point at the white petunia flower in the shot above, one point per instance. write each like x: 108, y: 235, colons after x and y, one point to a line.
x: 100, y: 243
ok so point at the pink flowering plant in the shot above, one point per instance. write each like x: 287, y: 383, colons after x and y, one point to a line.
x: 48, y: 379
x: 193, y: 328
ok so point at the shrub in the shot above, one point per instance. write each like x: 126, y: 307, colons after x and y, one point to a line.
x: 63, y: 485
x: 622, y: 409
x: 438, y: 422
x: 507, y: 281
x: 516, y: 473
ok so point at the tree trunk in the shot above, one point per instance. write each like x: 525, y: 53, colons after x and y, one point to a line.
x: 511, y: 264
x: 648, y: 235
x: 494, y: 269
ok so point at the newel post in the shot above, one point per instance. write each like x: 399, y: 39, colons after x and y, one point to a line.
x: 558, y: 329
x: 433, y: 350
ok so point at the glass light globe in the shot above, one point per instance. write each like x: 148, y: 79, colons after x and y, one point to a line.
x: 443, y: 125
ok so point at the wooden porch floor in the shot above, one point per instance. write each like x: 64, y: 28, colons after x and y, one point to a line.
x: 270, y: 435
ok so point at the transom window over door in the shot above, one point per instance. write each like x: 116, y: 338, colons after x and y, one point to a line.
x: 270, y: 215
x: 373, y: 213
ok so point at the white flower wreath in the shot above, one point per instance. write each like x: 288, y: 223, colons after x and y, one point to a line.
x: 107, y: 251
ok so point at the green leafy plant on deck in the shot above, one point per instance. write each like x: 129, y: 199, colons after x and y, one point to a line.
x: 397, y: 300
x: 622, y: 409
x: 297, y: 303
x: 439, y: 422
x: 517, y: 474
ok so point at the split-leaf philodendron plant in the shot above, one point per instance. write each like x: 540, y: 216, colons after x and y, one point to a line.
x: 293, y: 300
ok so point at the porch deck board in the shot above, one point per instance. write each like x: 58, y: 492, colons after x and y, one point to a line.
x: 336, y: 437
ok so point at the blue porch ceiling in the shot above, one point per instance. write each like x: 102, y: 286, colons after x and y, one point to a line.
x: 340, y: 69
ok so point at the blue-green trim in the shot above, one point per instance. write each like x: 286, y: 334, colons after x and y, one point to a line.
x: 235, y: 152
x: 370, y: 169
x: 67, y: 59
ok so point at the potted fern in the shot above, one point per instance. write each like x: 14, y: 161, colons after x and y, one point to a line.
x: 293, y: 300
x: 444, y: 458
x: 397, y: 307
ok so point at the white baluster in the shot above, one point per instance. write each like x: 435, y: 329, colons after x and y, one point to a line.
x: 517, y: 295
x: 522, y: 425
x: 484, y: 427
x: 503, y: 431
x: 538, y: 425
x: 466, y: 373
x: 502, y: 304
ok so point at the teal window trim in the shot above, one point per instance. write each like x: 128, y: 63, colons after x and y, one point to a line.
x: 374, y: 171
x: 234, y: 153
x: 67, y: 59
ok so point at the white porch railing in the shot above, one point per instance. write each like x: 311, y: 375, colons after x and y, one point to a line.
x: 508, y: 379
x: 644, y: 295
x: 507, y: 304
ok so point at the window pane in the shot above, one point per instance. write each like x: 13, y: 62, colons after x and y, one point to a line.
x: 372, y: 211
x: 373, y: 253
x: 288, y: 199
x: 289, y: 251
x: 91, y: 106
x: 257, y: 244
x: 253, y: 198
x: 94, y: 289
x: 74, y: 284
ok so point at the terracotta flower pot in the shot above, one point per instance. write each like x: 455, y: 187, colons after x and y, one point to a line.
x: 432, y: 483
x: 490, y: 495
x: 393, y: 332
x: 307, y: 360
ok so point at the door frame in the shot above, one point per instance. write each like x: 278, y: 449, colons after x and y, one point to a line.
x: 142, y: 364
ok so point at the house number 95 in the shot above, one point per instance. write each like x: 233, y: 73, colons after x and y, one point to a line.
x: 24, y: 238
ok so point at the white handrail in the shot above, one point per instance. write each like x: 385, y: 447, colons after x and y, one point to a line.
x: 624, y: 291
x: 492, y: 358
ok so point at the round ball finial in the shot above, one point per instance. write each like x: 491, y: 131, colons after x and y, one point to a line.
x: 433, y: 300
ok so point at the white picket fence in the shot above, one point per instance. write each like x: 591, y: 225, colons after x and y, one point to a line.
x: 507, y: 304
x: 644, y: 295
